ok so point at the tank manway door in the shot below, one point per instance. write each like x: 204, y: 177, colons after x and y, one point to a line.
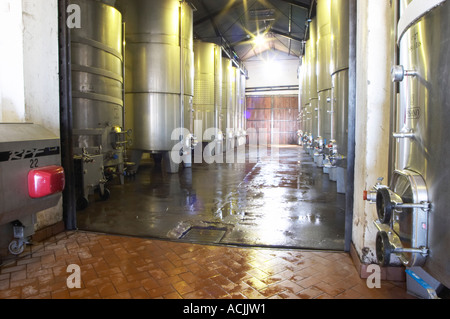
x: 31, y: 177
x: 402, y: 223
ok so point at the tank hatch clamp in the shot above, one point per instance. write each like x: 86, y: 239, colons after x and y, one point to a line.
x: 402, y: 210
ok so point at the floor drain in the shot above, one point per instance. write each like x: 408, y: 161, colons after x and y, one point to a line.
x: 204, y: 235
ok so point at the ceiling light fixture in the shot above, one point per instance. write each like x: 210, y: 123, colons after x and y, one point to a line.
x: 259, y: 40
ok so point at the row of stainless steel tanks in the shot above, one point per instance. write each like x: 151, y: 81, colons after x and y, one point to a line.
x: 413, y: 217
x: 140, y: 83
x: 323, y: 95
x: 413, y: 220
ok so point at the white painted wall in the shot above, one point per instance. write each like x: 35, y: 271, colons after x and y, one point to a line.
x: 29, y: 85
x: 12, y: 105
x: 372, y: 117
x: 272, y: 68
x: 41, y: 84
x: 40, y: 63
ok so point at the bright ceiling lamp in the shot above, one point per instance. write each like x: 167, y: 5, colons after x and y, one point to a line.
x: 259, y: 40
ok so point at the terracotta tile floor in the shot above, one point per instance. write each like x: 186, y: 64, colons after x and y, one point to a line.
x: 125, y: 268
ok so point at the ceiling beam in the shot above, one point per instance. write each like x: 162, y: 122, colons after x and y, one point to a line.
x: 286, y: 35
x: 275, y: 6
x: 298, y: 4
x: 244, y: 39
x: 287, y: 50
x: 213, y: 15
x: 290, y: 27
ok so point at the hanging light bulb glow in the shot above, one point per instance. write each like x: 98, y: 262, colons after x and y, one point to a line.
x: 259, y: 40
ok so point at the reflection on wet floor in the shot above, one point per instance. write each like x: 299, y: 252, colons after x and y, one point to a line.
x: 281, y: 201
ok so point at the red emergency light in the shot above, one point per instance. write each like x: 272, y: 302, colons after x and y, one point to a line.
x: 46, y: 181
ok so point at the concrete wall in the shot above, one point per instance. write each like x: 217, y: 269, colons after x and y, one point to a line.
x: 272, y: 68
x: 29, y: 85
x: 40, y: 54
x: 29, y: 62
x: 372, y: 117
x: 12, y: 96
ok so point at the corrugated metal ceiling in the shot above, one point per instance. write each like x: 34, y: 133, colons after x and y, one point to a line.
x: 234, y: 24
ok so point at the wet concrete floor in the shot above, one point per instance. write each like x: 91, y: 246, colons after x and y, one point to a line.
x: 283, y: 200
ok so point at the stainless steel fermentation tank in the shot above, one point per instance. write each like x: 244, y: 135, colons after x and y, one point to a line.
x: 413, y: 217
x: 337, y: 146
x: 301, y: 95
x: 304, y: 111
x: 227, y: 103
x: 159, y: 80
x: 324, y: 83
x: 241, y: 110
x: 312, y: 97
x: 236, y: 134
x: 306, y: 114
x: 97, y: 92
x: 207, y: 102
x: 232, y: 116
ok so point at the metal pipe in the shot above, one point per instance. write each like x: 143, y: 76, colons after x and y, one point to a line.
x: 423, y: 251
x: 425, y: 206
x: 394, y: 90
x: 181, y: 69
x: 290, y: 28
x: 65, y: 100
x: 310, y: 11
x: 123, y: 72
x: 217, y: 110
x: 409, y: 134
x: 350, y: 187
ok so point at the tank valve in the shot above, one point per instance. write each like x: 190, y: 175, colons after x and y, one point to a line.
x: 319, y: 144
x: 371, y: 195
x: 407, y: 134
x: 194, y: 141
x: 398, y: 73
x: 183, y: 152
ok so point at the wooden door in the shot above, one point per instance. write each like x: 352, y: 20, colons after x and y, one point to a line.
x: 273, y: 118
